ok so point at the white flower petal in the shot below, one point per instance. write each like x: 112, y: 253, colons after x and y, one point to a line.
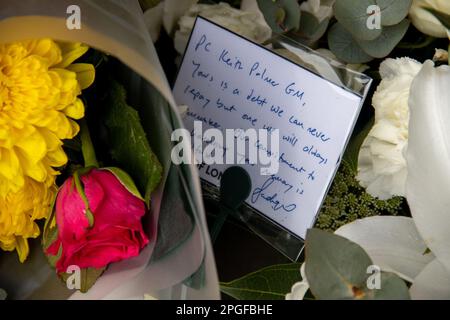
x: 381, y: 163
x: 427, y: 22
x: 428, y: 158
x: 298, y: 291
x: 433, y: 283
x: 393, y: 243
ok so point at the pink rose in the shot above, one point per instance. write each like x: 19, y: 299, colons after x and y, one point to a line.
x: 115, y: 233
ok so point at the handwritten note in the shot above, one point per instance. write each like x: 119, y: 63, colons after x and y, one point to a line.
x: 228, y: 82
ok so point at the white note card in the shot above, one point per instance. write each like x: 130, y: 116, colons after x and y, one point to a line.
x: 229, y: 82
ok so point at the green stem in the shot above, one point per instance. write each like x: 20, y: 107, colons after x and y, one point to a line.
x: 87, y: 148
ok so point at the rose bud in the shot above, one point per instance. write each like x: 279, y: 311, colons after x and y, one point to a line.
x: 98, y: 221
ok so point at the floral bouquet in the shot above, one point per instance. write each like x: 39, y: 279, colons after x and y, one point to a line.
x: 87, y: 187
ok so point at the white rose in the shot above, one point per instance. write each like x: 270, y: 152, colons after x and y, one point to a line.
x: 381, y: 164
x: 427, y: 22
x: 247, y: 24
x: 321, y: 9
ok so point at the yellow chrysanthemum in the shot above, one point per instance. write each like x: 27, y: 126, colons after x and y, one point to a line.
x: 18, y: 213
x: 39, y: 89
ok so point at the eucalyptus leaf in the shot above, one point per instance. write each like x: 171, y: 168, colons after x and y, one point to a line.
x: 392, y: 287
x: 393, y: 11
x: 311, y: 27
x: 386, y: 42
x: 353, y: 16
x: 335, y: 267
x: 270, y: 283
x: 281, y: 15
x: 344, y: 46
x: 441, y: 16
x: 128, y: 142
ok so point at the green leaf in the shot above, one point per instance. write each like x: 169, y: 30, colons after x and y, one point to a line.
x: 343, y: 45
x: 280, y: 15
x: 393, y: 11
x: 88, y: 277
x: 311, y: 28
x: 337, y: 268
x: 392, y: 287
x: 270, y: 283
x: 128, y: 142
x: 441, y: 16
x: 386, y: 42
x: 125, y: 180
x: 353, y: 16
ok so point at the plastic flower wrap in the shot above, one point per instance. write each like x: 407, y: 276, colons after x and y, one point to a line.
x: 121, y: 237
x: 39, y: 89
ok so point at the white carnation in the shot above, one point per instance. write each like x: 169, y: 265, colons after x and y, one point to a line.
x: 381, y: 164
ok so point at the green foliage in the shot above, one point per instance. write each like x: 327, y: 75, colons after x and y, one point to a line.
x: 347, y: 201
x: 311, y: 28
x: 353, y: 16
x: 281, y: 15
x: 386, y: 42
x: 337, y: 268
x: 344, y: 46
x: 351, y: 39
x: 270, y: 283
x: 127, y: 137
